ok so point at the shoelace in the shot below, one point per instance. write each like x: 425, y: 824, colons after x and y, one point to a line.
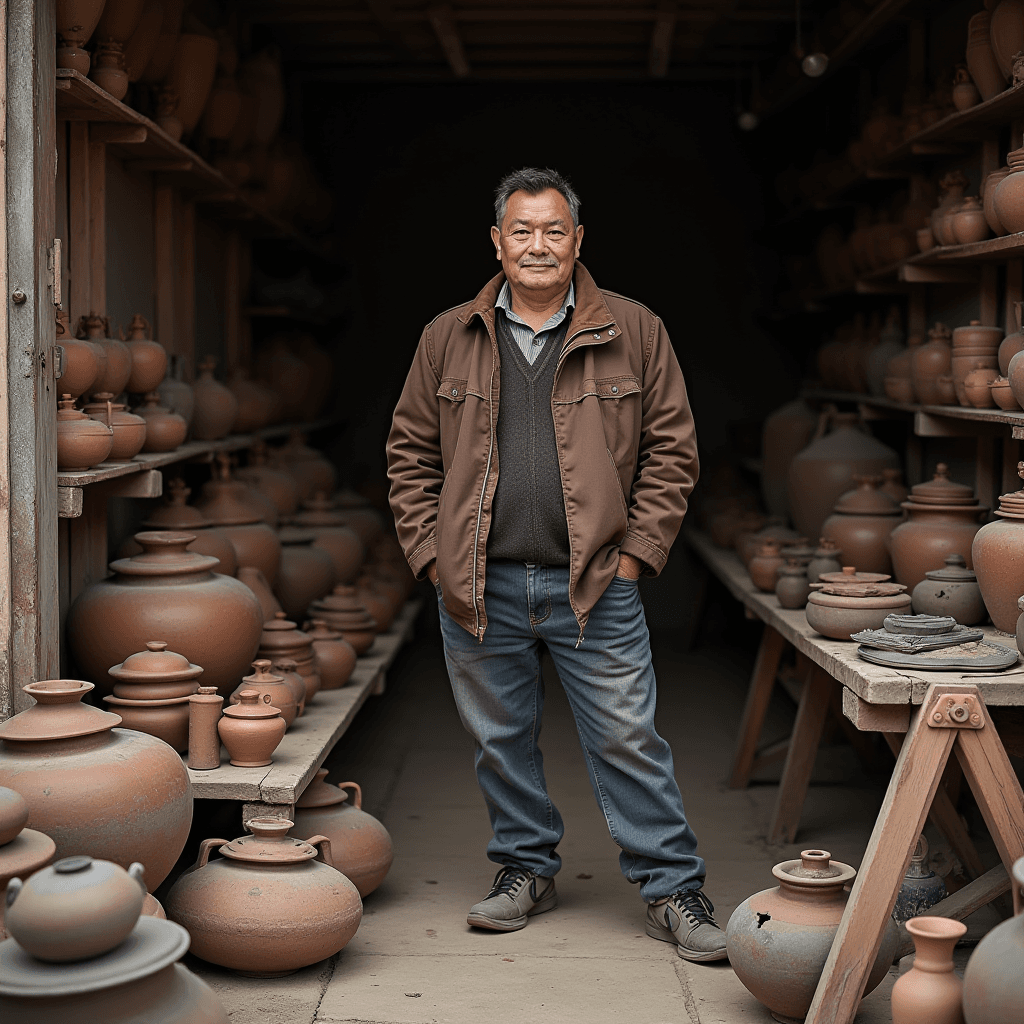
x: 695, y: 905
x: 507, y: 881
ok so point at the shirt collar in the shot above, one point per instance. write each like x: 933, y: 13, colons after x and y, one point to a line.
x: 504, y: 302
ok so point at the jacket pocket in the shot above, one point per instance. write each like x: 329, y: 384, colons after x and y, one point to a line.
x: 453, y: 388
x: 614, y: 388
x: 618, y: 485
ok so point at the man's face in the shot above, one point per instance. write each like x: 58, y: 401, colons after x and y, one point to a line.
x: 537, y: 245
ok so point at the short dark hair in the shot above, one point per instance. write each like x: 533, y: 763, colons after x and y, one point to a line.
x: 533, y: 181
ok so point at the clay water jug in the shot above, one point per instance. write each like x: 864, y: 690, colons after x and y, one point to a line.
x: 860, y: 525
x: 165, y: 430
x: 251, y: 729
x: 173, y: 593
x: 998, y: 559
x: 778, y: 939
x: 272, y: 689
x: 931, y: 990
x: 117, y: 365
x: 81, y: 361
x: 335, y: 656
x: 306, y: 572
x: 787, y: 431
x: 55, y: 748
x: 215, y: 407
x: 269, y: 904
x: 981, y: 61
x: 327, y: 524
x: 82, y: 442
x: 275, y: 484
x: 149, y: 358
x: 825, y: 469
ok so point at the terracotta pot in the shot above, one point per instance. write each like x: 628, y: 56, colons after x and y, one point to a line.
x: 191, y: 76
x: 893, y: 485
x: 747, y: 543
x: 988, y: 203
x: 366, y: 523
x: 81, y: 362
x: 288, y: 671
x: 998, y: 560
x: 890, y: 346
x: 978, y: 388
x: 312, y: 472
x: 178, y: 397
x: 792, y: 586
x: 155, y: 674
x: 303, y: 910
x: 257, y: 583
x: 76, y: 20
x: 787, y: 431
x: 117, y: 366
x: 107, y: 70
x: 951, y: 186
x: 764, y: 566
x: 253, y: 405
x: 204, y: 713
x: 981, y: 61
x: 165, y: 430
x: 965, y: 92
x: 1012, y: 343
x: 251, y: 729
x: 1002, y: 395
x: 1008, y: 196
x: 260, y: 76
x: 343, y: 611
x: 335, y: 656
x: 827, y: 558
x: 993, y: 989
x: 964, y: 363
x: 120, y: 19
x: 128, y: 429
x: 13, y: 815
x: 216, y: 408
x: 283, y: 639
x: 80, y: 776
x: 275, y: 484
x: 344, y: 546
x: 149, y: 358
x: 778, y: 939
x: 165, y: 719
x: 952, y: 590
x: 272, y: 690
x: 861, y: 523
x: 942, y: 520
x: 969, y: 223
x: 211, y: 619
x: 1006, y: 33
x: 925, y: 239
x: 306, y: 572
x: 76, y: 909
x: 289, y: 376
x: 838, y: 617
x: 930, y: 991
x: 82, y: 442
x: 1015, y: 375
x: 23, y: 854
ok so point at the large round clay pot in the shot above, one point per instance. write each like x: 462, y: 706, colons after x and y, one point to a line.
x: 216, y: 408
x: 266, y: 907
x: 283, y: 639
x: 383, y: 603
x: 120, y: 19
x: 191, y: 75
x: 367, y: 524
x: 165, y: 430
x: 117, y: 364
x: 981, y: 61
x: 998, y: 560
x: 931, y: 990
x: 343, y: 544
x: 930, y: 361
x: 257, y: 583
x: 13, y: 815
x: 778, y: 939
x: 128, y: 429
x: 787, y: 431
x: 861, y: 523
x: 993, y: 991
x: 335, y: 656
x: 272, y: 689
x: 839, y: 617
x: 94, y: 789
x: 360, y: 844
x: 1008, y: 197
x: 149, y: 358
x: 306, y: 572
x: 170, y: 592
x: 825, y: 469
x: 82, y: 442
x: 952, y: 590
x: 278, y: 486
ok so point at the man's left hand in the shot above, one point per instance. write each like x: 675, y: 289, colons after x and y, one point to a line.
x: 629, y: 567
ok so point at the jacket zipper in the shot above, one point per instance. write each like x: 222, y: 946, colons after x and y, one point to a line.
x: 480, y: 506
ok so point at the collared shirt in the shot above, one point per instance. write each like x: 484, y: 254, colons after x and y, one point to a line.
x: 529, y: 343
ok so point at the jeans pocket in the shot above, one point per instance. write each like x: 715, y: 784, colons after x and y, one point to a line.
x: 626, y: 580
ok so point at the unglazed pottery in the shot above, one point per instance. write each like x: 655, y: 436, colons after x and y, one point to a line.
x: 792, y: 586
x: 165, y: 719
x: 1006, y: 34
x: 306, y: 572
x: 82, y: 442
x: 965, y: 92
x: 335, y: 656
x: 149, y: 358
x: 1008, y: 196
x: 988, y: 200
x: 845, y: 603
x: 163, y: 53
x: 969, y: 224
x: 165, y: 430
x: 251, y: 729
x: 271, y: 689
x: 921, y: 888
x: 283, y: 639
x: 978, y: 388
x: 192, y: 74
x: 26, y: 852
x: 107, y: 70
x: 76, y: 20
x: 257, y: 583
x: 278, y: 486
x: 269, y: 905
x: 204, y: 712
x: 981, y: 61
x: 288, y: 671
x: 952, y: 590
x: 778, y: 939
x: 827, y: 558
x: 13, y: 815
x: 129, y: 430
x: 1015, y: 375
x: 998, y: 559
x: 117, y: 363
x: 170, y: 592
x: 81, y: 362
x: 929, y: 362
x: 343, y: 544
x: 952, y: 187
x: 80, y: 775
x: 178, y: 395
x: 931, y: 990
x: 765, y: 565
x: 343, y: 611
x: 312, y: 472
x: 1012, y: 343
x: 748, y: 543
x: 1002, y: 395
x: 787, y: 431
x: 215, y: 407
x: 861, y: 523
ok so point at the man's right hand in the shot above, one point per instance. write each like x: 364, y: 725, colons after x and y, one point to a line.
x: 432, y: 572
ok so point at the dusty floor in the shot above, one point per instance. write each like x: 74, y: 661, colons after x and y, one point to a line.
x: 414, y: 960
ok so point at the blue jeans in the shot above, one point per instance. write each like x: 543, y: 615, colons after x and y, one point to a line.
x: 609, y: 681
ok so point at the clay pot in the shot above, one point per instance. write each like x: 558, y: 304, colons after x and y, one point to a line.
x: 942, y: 520
x: 191, y: 76
x: 335, y: 656
x: 271, y: 688
x: 998, y: 560
x: 13, y: 815
x: 216, y: 408
x: 827, y: 558
x: 893, y: 485
x: 76, y: 20
x: 22, y: 850
x: 925, y: 239
x: 165, y: 430
x: 82, y: 442
x: 1012, y: 343
x: 285, y: 373
x: 929, y: 362
x: 1006, y: 33
x: 274, y: 484
x: 965, y: 92
x: 764, y: 566
x: 306, y: 572
x: 344, y: 546
x: 383, y: 604
x: 787, y: 431
x: 931, y: 990
x: 993, y: 989
x: 1015, y: 375
x: 81, y: 361
x: 155, y: 674
x: 844, y: 603
x: 283, y: 639
x: 312, y: 472
x: 778, y: 939
x: 890, y: 346
x: 747, y: 544
x: 952, y: 187
x: 343, y: 611
x: 978, y: 388
x: 139, y: 48
x: 204, y: 712
x: 165, y: 719
x: 1008, y: 195
x: 76, y: 909
x: 288, y: 671
x: 80, y: 776
x: 251, y: 729
x: 792, y: 586
x: 981, y: 61
x: 128, y: 429
x: 988, y: 200
x: 861, y: 523
x: 367, y: 523
x: 253, y: 404
x: 178, y: 396
x: 1002, y: 395
x: 257, y: 583
x: 108, y: 70
x: 117, y: 365
x: 211, y: 619
x: 952, y: 590
x: 149, y: 358
x: 120, y: 19
x: 969, y: 223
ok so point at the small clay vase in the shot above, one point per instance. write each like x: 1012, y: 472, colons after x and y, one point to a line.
x: 288, y: 671
x: 215, y: 406
x: 792, y: 586
x: 283, y: 639
x: 845, y: 603
x: 257, y: 583
x: 81, y: 362
x: 343, y: 611
x: 270, y: 685
x: 165, y: 430
x: 82, y: 442
x: 931, y: 990
x: 306, y: 572
x: 998, y: 559
x: 343, y: 544
x: 108, y: 70
x: 117, y: 359
x: 828, y: 557
x: 335, y: 656
x: 861, y: 522
x: 764, y: 566
x: 167, y: 720
x: 969, y: 224
x: 129, y: 429
x: 748, y: 543
x: 965, y: 92
x: 149, y: 358
x: 204, y: 712
x: 952, y: 590
x: 251, y: 729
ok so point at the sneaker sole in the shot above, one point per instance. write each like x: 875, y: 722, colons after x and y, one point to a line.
x: 515, y: 923
x: 694, y: 956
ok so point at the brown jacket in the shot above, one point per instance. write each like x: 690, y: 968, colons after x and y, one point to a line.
x: 626, y: 447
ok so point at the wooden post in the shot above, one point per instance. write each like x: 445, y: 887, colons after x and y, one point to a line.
x: 78, y: 255
x: 163, y: 269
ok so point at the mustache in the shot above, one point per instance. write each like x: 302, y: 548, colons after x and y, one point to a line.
x: 549, y: 262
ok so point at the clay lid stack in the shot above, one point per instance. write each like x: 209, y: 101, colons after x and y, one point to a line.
x: 843, y: 603
x: 1011, y: 506
x: 344, y: 611
x: 941, y: 491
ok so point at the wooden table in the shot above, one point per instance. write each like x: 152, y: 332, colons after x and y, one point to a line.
x: 925, y: 717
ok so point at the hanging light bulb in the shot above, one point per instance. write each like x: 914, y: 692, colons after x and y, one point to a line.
x: 814, y: 65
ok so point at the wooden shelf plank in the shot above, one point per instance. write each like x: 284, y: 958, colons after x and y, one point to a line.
x: 989, y: 417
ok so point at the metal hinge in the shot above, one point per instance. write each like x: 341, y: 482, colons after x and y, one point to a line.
x: 955, y: 711
x: 56, y: 273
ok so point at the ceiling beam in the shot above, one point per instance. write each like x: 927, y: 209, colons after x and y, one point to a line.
x: 661, y: 39
x: 448, y: 36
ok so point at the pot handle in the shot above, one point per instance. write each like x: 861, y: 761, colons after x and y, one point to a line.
x: 359, y: 792
x: 206, y: 847
x: 323, y: 853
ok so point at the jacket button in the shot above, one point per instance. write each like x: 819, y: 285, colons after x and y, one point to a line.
x: 455, y: 391
x: 611, y: 333
x: 597, y: 336
x: 615, y: 390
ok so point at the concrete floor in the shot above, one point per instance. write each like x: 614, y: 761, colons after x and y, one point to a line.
x: 415, y: 961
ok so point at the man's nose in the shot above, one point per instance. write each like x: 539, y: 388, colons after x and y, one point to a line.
x: 538, y: 244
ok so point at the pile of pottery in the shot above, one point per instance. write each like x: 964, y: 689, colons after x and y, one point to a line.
x: 847, y: 602
x: 957, y: 219
x: 975, y: 363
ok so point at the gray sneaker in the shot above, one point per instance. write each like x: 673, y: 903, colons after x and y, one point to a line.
x: 516, y: 895
x: 687, y: 919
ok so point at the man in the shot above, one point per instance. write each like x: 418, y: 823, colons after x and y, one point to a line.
x: 540, y: 459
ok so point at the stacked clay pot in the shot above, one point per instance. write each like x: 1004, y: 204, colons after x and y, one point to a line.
x: 312, y: 472
x: 251, y: 729
x: 335, y: 656
x: 216, y: 408
x: 343, y: 611
x: 149, y: 358
x: 116, y: 364
x: 764, y: 566
x: 931, y: 990
x: 269, y: 904
x: 931, y: 368
x: 275, y: 484
x: 975, y: 347
x: 343, y: 544
x: 151, y: 693
x: 861, y: 523
x: 283, y: 639
x: 171, y: 592
x: 787, y: 431
x: 847, y: 602
x: 129, y: 430
x: 950, y: 591
x: 82, y: 441
x: 306, y: 572
x: 779, y: 939
x: 998, y: 557
x: 165, y: 429
x: 942, y: 519
x: 271, y: 689
x: 22, y: 850
x: 93, y: 788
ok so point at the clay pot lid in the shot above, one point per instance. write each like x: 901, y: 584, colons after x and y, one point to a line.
x: 27, y: 852
x: 156, y: 664
x: 857, y: 590
x: 158, y: 702
x: 954, y: 571
x: 320, y: 793
x: 1012, y: 505
x: 293, y: 536
x: 57, y: 714
x: 281, y: 634
x: 317, y: 629
x: 814, y: 870
x: 850, y: 575
x: 867, y: 500
x: 66, y: 412
x: 81, y: 873
x: 175, y: 514
x: 827, y: 549
x: 252, y: 705
x: 269, y: 844
x: 940, y: 490
x: 164, y: 554
x: 222, y: 501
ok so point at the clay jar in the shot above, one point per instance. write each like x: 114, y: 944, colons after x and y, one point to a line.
x: 82, y: 442
x: 251, y: 729
x: 748, y: 543
x: 1015, y: 375
x: 287, y: 670
x: 342, y: 610
x: 360, y: 844
x: 930, y: 991
x: 861, y: 523
x: 306, y: 572
x: 129, y: 429
x: 981, y: 61
x: 335, y: 656
x: 786, y: 432
x: 792, y: 586
x: 165, y: 430
x: 1011, y: 344
x: 312, y: 472
x: 965, y: 92
x: 81, y: 777
x: 269, y: 905
x: 778, y: 939
x: 149, y: 358
x: 167, y: 720
x: 942, y: 520
x: 117, y: 359
x: 81, y: 362
x: 271, y: 688
x: 765, y: 565
x: 257, y: 583
x: 1002, y: 395
x: 969, y: 224
x: 283, y: 639
x: 204, y: 712
x: 339, y: 541
x: 845, y: 603
x: 827, y: 558
x: 978, y: 388
x: 988, y: 205
x: 929, y: 362
x: 167, y: 591
x: 215, y: 407
x: 998, y: 556
x: 275, y: 484
x: 824, y: 470
x: 952, y: 590
x: 1008, y: 196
